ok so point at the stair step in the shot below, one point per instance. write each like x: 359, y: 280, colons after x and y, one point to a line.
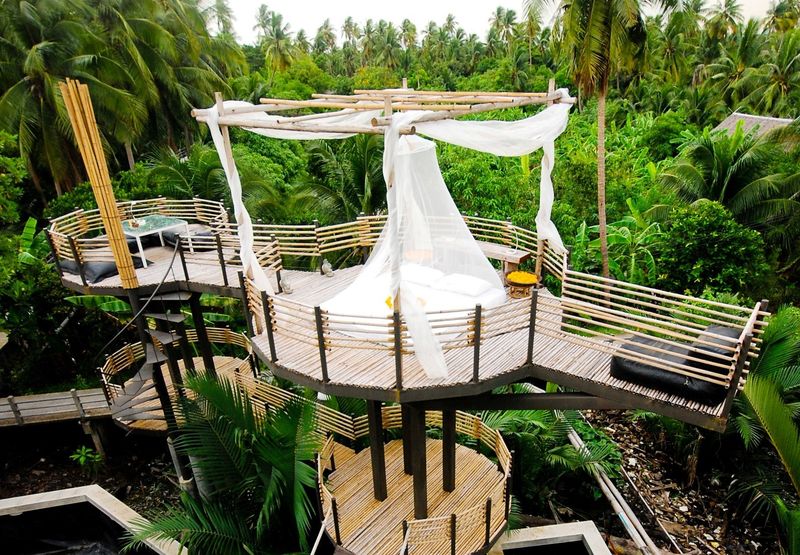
x: 174, y: 318
x: 127, y: 400
x: 163, y: 337
x: 176, y: 296
x: 153, y: 355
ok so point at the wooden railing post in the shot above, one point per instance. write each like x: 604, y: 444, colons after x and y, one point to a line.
x: 78, y: 405
x: 733, y: 386
x: 453, y: 534
x: 540, y: 246
x: 15, y: 409
x: 323, y: 360
x: 248, y: 318
x: 316, y: 240
x: 54, y: 251
x: 221, y: 257
x: 509, y: 482
x: 398, y: 350
x: 74, y: 248
x: 405, y: 533
x: 532, y: 324
x: 488, y: 521
x: 182, y: 256
x: 476, y: 347
x: 335, y: 511
x: 265, y: 304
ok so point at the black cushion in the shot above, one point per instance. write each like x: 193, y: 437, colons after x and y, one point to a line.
x: 204, y: 244
x: 96, y: 271
x: 687, y: 387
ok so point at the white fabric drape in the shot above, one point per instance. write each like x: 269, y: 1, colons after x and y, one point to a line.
x: 425, y: 257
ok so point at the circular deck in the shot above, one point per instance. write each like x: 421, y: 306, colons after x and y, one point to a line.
x: 368, y: 526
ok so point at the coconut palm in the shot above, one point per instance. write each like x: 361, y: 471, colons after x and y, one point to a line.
x: 774, y: 87
x: 593, y: 33
x: 350, y: 30
x: 277, y: 43
x: 744, y: 53
x: 325, y: 39
x: 388, y: 47
x: 723, y: 19
x: 253, y: 470
x: 408, y: 34
x: 347, y: 177
x: 735, y: 170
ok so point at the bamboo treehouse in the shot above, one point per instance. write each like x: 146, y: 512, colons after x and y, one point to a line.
x: 423, y: 328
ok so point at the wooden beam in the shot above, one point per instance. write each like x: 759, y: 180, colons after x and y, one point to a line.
x: 376, y: 452
x: 524, y: 401
x: 419, y: 461
x: 405, y: 417
x: 449, y: 450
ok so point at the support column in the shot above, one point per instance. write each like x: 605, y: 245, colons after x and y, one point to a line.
x: 376, y: 452
x: 405, y: 414
x: 202, y: 334
x: 419, y: 462
x: 448, y: 450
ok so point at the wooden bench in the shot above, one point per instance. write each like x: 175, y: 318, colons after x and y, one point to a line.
x: 510, y: 256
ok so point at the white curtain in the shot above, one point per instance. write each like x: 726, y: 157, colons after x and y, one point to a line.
x: 425, y: 256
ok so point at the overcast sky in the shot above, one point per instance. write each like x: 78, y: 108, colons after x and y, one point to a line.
x: 472, y: 15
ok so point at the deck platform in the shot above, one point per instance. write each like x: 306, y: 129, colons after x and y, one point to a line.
x: 580, y: 363
x: 376, y: 527
x: 85, y: 404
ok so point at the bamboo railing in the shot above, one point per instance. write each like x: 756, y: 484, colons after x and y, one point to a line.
x: 604, y: 314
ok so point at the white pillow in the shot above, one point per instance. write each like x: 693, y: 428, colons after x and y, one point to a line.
x: 421, y: 275
x: 463, y: 285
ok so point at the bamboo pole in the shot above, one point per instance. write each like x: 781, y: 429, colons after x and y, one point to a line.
x: 87, y: 136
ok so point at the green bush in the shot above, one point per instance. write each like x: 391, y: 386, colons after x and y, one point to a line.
x: 703, y: 247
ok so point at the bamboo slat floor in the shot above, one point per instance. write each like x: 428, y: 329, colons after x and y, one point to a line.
x: 53, y: 407
x: 375, y: 527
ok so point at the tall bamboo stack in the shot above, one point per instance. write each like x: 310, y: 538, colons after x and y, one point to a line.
x: 87, y: 136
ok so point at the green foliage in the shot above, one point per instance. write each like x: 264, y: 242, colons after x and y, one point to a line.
x: 687, y: 263
x: 253, y: 470
x: 13, y: 175
x: 88, y: 459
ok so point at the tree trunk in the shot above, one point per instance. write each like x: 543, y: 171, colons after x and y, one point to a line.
x: 129, y: 154
x: 37, y: 182
x: 601, y: 179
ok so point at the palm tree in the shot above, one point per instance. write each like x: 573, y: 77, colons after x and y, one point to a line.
x: 723, y: 19
x: 408, y: 34
x: 347, y: 177
x: 388, y: 47
x: 734, y: 170
x: 325, y: 40
x: 350, y: 30
x: 277, y: 43
x: 263, y: 19
x: 774, y: 87
x: 593, y: 33
x: 368, y: 39
x: 301, y: 42
x: 253, y: 471
x: 42, y: 44
x: 743, y: 54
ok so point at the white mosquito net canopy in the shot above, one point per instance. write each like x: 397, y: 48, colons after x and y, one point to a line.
x: 425, y: 259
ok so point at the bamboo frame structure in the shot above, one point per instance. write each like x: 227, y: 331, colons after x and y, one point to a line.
x: 81, y: 115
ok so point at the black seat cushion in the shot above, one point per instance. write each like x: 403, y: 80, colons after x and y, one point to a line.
x: 96, y: 271
x: 204, y: 243
x: 687, y: 387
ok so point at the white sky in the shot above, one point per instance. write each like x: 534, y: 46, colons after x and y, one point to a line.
x: 472, y: 15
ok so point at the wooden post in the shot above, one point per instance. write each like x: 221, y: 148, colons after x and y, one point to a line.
x: 78, y: 405
x: 398, y: 350
x: 163, y: 395
x: 246, y: 306
x: 15, y: 409
x: 448, y: 450
x: 476, y: 347
x: 53, y: 249
x: 733, y: 387
x: 453, y: 534
x: 265, y: 303
x: 419, y: 462
x: 509, y: 483
x: 532, y: 324
x: 405, y: 531
x: 540, y: 246
x: 335, y: 511
x: 221, y: 257
x: 376, y: 449
x: 77, y: 257
x: 182, y: 256
x: 323, y: 361
x: 551, y: 88
x: 488, y: 522
x: 405, y: 417
x: 316, y: 240
x: 202, y: 334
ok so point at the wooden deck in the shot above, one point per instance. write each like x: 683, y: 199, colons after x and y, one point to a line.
x: 375, y: 527
x: 205, y: 274
x: 53, y: 407
x: 564, y: 358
